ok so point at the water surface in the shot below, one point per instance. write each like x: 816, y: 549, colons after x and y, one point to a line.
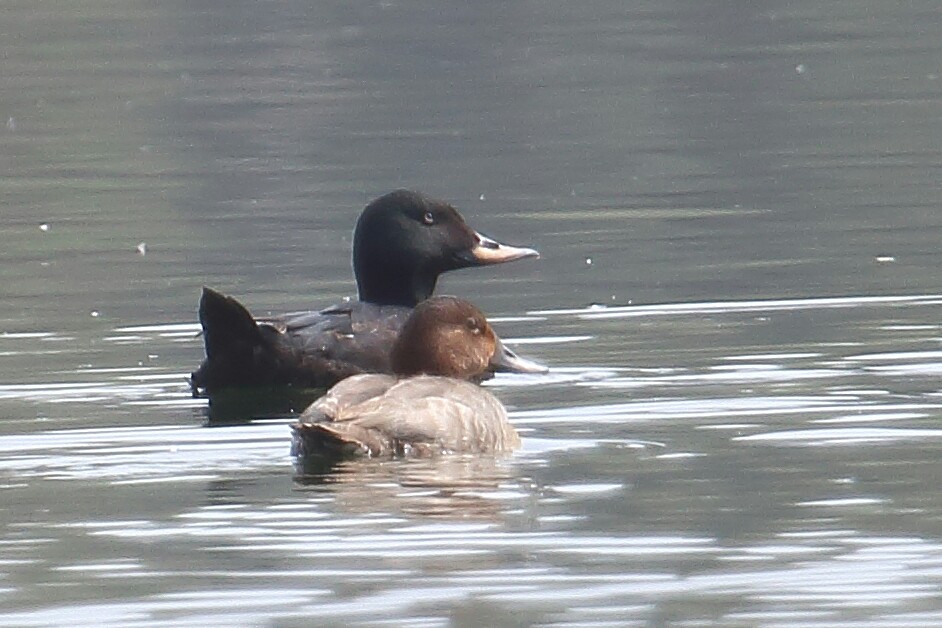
x: 737, y: 212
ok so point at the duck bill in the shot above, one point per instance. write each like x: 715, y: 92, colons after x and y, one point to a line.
x: 488, y: 251
x: 506, y: 361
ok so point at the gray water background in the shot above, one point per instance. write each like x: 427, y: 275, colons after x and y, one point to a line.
x: 737, y: 209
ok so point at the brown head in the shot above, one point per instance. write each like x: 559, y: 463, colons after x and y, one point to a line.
x: 445, y: 336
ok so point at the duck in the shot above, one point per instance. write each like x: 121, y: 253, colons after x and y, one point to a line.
x: 428, y: 405
x: 402, y: 242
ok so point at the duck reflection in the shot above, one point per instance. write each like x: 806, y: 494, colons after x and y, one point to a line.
x: 241, y: 406
x: 448, y: 487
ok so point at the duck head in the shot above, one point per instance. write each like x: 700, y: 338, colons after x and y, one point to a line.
x: 404, y: 240
x: 445, y: 336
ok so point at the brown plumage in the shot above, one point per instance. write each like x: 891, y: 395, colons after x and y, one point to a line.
x: 429, y: 406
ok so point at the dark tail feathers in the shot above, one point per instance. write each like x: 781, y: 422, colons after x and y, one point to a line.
x: 233, y: 342
x: 225, y: 321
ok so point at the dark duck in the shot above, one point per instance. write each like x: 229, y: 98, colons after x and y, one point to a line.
x: 402, y: 242
x: 427, y: 406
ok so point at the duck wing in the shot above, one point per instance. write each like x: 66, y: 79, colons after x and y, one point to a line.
x: 309, y: 349
x: 421, y: 415
x: 322, y: 430
x: 356, y: 333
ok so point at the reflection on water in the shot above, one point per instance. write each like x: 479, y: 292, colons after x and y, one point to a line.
x: 742, y: 430
x: 764, y: 483
x: 453, y: 487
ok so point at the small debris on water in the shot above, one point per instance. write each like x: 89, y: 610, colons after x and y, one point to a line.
x: 800, y: 68
x: 588, y: 261
x: 95, y: 313
x: 44, y: 227
x: 481, y: 198
x: 885, y: 259
x: 142, y: 248
x: 11, y: 124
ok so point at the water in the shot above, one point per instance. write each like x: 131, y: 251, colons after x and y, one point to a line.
x: 736, y: 207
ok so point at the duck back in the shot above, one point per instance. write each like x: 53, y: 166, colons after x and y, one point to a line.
x: 310, y: 349
x: 377, y: 415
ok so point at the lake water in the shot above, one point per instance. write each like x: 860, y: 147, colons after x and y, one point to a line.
x: 739, y: 298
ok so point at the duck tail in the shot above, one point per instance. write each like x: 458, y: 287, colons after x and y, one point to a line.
x: 331, y: 439
x: 224, y: 321
x: 232, y: 338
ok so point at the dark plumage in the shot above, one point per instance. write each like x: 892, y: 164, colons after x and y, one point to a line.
x: 403, y: 241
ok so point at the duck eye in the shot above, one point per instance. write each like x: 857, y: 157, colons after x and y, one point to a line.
x: 428, y: 218
x: 473, y: 325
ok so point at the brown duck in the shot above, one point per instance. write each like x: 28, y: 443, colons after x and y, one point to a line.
x: 429, y: 405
